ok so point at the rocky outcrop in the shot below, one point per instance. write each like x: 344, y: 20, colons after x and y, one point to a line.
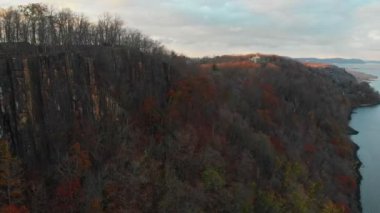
x: 43, y: 92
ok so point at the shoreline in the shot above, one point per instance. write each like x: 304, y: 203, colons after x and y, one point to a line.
x: 358, y: 162
x: 359, y: 178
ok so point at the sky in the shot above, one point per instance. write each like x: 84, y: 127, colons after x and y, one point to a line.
x: 295, y: 28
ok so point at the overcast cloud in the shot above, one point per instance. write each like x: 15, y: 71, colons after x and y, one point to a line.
x: 297, y: 28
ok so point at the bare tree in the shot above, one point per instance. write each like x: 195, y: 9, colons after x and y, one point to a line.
x: 34, y: 13
x: 38, y: 24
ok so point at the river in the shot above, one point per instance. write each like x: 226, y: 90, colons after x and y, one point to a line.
x: 367, y: 121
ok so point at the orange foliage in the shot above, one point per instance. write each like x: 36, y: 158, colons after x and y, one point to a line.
x: 81, y: 156
x: 96, y: 205
x: 272, y: 66
x: 316, y: 65
x: 14, y: 209
x: 149, y: 105
x: 206, y: 66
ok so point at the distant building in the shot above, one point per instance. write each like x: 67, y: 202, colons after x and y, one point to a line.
x: 258, y: 59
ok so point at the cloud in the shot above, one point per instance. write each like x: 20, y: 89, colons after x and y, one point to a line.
x: 344, y: 28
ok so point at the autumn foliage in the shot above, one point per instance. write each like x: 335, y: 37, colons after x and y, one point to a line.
x: 126, y: 126
x: 347, y: 183
x: 310, y: 148
x: 68, y: 193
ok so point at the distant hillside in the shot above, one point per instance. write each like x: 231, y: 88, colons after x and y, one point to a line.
x: 376, y: 62
x: 333, y: 60
x: 362, y: 76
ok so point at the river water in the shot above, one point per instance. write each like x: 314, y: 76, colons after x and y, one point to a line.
x: 367, y: 122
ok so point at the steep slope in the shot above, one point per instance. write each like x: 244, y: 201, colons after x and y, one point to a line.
x: 117, y: 129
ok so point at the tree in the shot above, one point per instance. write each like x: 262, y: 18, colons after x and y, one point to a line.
x: 65, y: 26
x: 7, y: 17
x: 2, y: 12
x: 331, y: 207
x: 51, y: 27
x: 35, y: 15
x: 11, y: 177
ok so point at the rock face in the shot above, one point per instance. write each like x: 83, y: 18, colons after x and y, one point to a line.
x: 43, y: 94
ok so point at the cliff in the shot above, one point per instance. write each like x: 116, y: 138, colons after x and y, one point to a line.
x: 119, y: 129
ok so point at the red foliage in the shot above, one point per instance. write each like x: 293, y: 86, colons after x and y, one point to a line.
x: 148, y: 117
x: 158, y: 136
x: 344, y: 151
x: 310, y: 148
x: 342, y: 148
x: 68, y: 195
x: 336, y: 141
x: 190, y: 97
x: 68, y: 189
x: 267, y: 87
x: 204, y: 133
x: 277, y: 144
x: 14, y: 209
x: 347, y: 183
x: 174, y: 113
x: 238, y: 65
x: 269, y: 97
x: 317, y: 65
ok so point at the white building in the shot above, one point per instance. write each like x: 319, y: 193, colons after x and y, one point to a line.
x: 256, y: 59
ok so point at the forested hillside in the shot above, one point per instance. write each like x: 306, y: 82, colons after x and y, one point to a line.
x: 97, y: 118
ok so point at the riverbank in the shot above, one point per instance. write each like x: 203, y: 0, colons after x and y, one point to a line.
x: 359, y: 163
x: 363, y: 120
x: 365, y: 149
x: 359, y: 175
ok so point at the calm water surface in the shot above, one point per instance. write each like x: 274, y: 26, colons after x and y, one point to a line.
x: 367, y: 122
